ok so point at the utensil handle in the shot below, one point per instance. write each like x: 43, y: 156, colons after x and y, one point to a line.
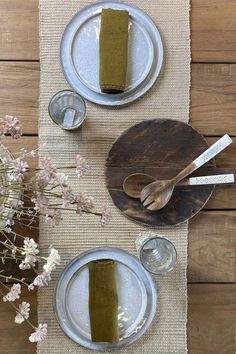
x: 206, y: 156
x: 214, y: 179
x: 213, y: 150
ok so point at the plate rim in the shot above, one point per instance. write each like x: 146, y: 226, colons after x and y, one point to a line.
x: 144, y: 86
x: 123, y: 343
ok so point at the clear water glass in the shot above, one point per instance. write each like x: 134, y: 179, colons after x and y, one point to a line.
x: 157, y: 254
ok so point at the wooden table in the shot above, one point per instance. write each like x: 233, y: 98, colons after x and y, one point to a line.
x: 211, y: 266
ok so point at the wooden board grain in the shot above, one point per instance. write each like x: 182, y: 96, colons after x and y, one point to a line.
x: 19, y: 93
x: 211, y: 321
x: 211, y: 318
x: 19, y: 38
x: 213, y: 96
x: 211, y: 248
x: 213, y: 30
x: 152, y: 144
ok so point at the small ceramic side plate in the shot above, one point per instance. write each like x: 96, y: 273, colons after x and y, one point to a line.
x: 136, y: 292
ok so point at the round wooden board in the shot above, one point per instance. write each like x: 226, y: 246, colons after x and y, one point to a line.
x: 160, y: 147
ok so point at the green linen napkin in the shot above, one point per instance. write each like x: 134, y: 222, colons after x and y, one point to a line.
x: 103, y: 301
x: 113, y: 44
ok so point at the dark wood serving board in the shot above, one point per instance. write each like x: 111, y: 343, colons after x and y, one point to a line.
x: 161, y: 148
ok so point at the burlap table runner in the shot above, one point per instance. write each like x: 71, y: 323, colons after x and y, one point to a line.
x: 168, y: 99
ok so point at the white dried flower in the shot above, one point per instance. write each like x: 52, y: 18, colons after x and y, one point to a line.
x: 52, y: 261
x: 23, y: 313
x: 13, y: 294
x: 39, y: 334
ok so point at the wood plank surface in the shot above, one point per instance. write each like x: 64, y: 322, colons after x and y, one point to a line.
x: 213, y: 96
x: 19, y: 38
x: 211, y: 318
x: 211, y: 321
x: 213, y: 30
x: 19, y: 93
x: 212, y: 245
x: 224, y: 197
x: 211, y: 253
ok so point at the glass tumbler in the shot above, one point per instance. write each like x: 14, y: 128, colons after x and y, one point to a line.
x: 156, y: 253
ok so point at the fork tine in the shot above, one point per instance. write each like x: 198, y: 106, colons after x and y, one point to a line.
x: 150, y: 188
x: 149, y: 199
x: 153, y: 206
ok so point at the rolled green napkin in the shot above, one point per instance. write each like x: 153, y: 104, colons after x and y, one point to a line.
x: 113, y: 44
x: 103, y: 301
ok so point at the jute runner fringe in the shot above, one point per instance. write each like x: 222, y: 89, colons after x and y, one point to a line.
x: 168, y: 99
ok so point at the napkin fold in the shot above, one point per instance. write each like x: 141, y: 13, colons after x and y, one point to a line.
x: 103, y: 301
x: 113, y: 44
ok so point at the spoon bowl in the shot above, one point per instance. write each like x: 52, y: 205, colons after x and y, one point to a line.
x: 134, y: 184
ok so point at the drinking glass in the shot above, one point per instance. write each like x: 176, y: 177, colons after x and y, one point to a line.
x: 156, y: 253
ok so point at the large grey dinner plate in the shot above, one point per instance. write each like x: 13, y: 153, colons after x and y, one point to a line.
x: 136, y: 293
x: 79, y: 54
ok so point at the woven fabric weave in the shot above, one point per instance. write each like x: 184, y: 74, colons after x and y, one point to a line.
x: 168, y: 99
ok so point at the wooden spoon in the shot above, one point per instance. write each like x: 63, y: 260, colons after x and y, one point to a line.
x: 134, y: 183
x: 157, y: 194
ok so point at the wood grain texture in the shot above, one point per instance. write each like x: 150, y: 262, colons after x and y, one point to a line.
x: 19, y: 93
x: 211, y: 318
x: 213, y: 96
x: 213, y: 30
x: 212, y: 245
x: 19, y: 39
x: 211, y: 321
x: 14, y: 337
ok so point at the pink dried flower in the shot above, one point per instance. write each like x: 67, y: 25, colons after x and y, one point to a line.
x: 23, y: 313
x: 106, y: 216
x: 13, y: 294
x: 56, y: 217
x: 39, y: 334
x: 68, y: 197
x: 41, y: 280
x: 40, y: 203
x: 84, y: 203
x: 47, y: 174
x: 81, y: 166
x: 12, y: 125
x: 61, y: 179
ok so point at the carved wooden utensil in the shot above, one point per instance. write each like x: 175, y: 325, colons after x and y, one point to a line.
x: 134, y: 183
x: 157, y: 194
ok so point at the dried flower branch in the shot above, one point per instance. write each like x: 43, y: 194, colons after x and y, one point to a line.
x: 43, y: 195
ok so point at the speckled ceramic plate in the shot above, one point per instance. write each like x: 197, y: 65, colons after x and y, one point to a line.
x: 79, y: 54
x: 136, y: 293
